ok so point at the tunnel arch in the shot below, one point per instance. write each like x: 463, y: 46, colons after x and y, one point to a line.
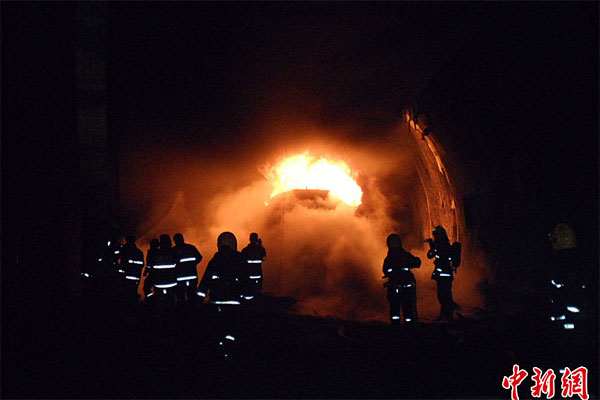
x: 443, y: 207
x: 441, y: 187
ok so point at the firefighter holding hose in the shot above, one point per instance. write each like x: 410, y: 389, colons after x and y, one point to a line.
x: 447, y: 260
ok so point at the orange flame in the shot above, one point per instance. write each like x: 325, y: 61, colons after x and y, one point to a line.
x: 303, y: 171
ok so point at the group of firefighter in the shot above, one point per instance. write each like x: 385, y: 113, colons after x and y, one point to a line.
x: 169, y: 272
x: 169, y: 278
x: 564, y: 284
x: 233, y: 278
x: 402, y: 285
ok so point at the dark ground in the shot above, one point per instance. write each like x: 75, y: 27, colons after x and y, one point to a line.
x: 103, y: 347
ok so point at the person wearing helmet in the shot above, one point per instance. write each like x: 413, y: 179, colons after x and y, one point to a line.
x: 115, y: 256
x: 571, y: 332
x: 132, y: 262
x: 110, y: 265
x: 103, y: 266
x: 222, y: 283
x: 164, y: 280
x: 163, y: 271
x: 447, y: 259
x: 224, y: 273
x: 402, y: 285
x: 566, y: 284
x: 254, y: 254
x: 187, y: 257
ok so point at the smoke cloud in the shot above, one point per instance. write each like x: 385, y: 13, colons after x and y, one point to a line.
x: 322, y: 252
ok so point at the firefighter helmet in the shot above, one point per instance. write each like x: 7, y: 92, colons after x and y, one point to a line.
x: 563, y: 237
x: 393, y: 240
x: 178, y: 238
x: 227, y: 239
x: 165, y: 242
x: 439, y: 233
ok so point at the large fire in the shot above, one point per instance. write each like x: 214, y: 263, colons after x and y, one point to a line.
x: 303, y: 171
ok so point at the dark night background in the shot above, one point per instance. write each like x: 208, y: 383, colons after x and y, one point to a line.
x: 509, y: 89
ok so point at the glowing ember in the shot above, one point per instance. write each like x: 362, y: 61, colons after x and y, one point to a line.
x: 303, y: 171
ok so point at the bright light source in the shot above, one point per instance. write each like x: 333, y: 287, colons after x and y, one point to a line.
x: 303, y: 171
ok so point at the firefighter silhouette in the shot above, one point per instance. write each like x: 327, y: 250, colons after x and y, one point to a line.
x: 254, y: 254
x: 164, y: 277
x: 109, y: 258
x: 105, y: 266
x: 222, y: 283
x: 566, y: 284
x: 99, y: 272
x: 187, y: 257
x: 132, y: 263
x: 110, y: 263
x: 567, y: 290
x: 164, y: 280
x: 447, y: 260
x: 401, y: 285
